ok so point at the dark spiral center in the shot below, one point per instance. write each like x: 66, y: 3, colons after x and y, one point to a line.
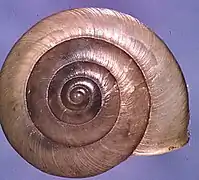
x: 72, y: 97
x: 75, y: 97
x: 78, y: 96
x: 78, y: 93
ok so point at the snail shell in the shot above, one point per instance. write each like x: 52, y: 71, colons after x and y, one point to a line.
x: 84, y: 89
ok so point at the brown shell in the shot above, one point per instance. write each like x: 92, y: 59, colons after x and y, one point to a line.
x: 84, y: 89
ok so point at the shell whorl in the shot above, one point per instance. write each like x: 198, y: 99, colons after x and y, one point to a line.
x: 85, y: 88
x: 79, y: 66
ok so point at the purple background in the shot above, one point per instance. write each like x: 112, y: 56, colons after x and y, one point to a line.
x: 176, y: 22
